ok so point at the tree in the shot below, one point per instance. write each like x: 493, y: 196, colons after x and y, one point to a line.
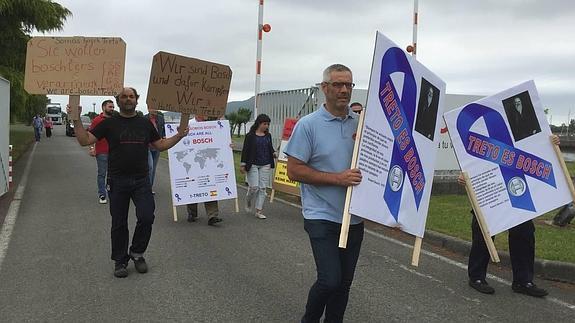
x: 18, y: 18
x: 243, y: 116
x: 233, y: 119
x: 35, y: 104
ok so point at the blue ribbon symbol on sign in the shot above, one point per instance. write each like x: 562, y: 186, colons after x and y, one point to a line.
x: 178, y: 197
x: 400, y: 114
x: 170, y: 128
x: 228, y: 190
x: 498, y: 148
x: 220, y: 124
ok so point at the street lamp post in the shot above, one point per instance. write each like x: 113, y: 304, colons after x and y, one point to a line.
x: 94, y: 107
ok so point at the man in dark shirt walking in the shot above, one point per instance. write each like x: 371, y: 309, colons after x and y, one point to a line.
x: 129, y: 137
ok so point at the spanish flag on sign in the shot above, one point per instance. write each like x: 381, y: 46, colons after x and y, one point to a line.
x: 213, y: 193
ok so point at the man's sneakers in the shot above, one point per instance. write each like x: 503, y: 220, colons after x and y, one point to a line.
x: 529, y: 289
x: 139, y: 263
x: 102, y: 199
x: 214, y: 220
x: 120, y: 269
x: 481, y: 286
x: 260, y: 215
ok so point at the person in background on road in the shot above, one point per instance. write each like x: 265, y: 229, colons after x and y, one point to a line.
x: 256, y: 162
x: 48, y: 125
x: 356, y: 107
x: 129, y: 136
x: 319, y: 156
x: 37, y: 123
x: 157, y: 120
x: 521, y: 252
x: 212, y: 210
x: 100, y: 150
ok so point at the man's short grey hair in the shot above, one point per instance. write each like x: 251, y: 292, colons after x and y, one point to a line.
x: 334, y: 68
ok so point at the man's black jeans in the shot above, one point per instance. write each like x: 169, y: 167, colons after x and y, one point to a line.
x: 521, y: 251
x: 122, y: 189
x: 335, y: 268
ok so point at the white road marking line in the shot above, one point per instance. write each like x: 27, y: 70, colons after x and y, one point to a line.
x: 10, y: 220
x: 444, y: 259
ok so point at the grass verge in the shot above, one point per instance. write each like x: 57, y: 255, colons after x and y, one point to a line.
x: 21, y: 137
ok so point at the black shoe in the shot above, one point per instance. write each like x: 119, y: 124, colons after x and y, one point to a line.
x: 120, y: 270
x: 192, y: 218
x: 140, y: 264
x: 214, y: 220
x: 529, y: 289
x: 481, y: 286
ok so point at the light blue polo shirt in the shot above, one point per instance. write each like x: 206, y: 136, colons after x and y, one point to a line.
x: 325, y: 143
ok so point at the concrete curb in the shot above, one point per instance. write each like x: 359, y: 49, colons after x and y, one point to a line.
x: 548, y: 269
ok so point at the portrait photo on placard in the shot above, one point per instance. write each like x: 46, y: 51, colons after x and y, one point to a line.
x: 427, y: 109
x: 521, y: 116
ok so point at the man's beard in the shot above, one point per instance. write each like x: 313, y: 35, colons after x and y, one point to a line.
x: 128, y: 108
x: 109, y: 113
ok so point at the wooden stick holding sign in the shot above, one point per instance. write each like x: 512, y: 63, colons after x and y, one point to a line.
x: 272, y: 195
x: 174, y: 209
x: 74, y: 103
x: 564, y: 168
x: 480, y: 219
x: 346, y: 219
x: 416, y: 251
x: 184, y: 121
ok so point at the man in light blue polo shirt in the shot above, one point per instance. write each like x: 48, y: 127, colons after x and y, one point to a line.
x: 319, y: 157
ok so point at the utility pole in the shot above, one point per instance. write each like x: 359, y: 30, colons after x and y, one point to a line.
x: 261, y: 28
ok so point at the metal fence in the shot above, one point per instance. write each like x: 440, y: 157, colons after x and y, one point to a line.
x: 280, y: 105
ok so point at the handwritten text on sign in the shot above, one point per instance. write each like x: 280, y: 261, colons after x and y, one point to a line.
x: 75, y: 65
x: 189, y: 85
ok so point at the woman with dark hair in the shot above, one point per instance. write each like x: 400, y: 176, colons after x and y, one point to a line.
x: 257, y: 162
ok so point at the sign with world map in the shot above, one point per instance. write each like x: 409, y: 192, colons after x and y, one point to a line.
x: 202, y: 163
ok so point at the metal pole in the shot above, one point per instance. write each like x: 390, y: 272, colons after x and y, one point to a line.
x: 415, y: 21
x: 259, y: 57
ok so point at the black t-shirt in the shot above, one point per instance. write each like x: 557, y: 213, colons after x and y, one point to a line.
x: 128, y: 141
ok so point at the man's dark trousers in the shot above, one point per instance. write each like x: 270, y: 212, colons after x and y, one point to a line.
x: 521, y: 251
x: 122, y: 189
x: 335, y: 269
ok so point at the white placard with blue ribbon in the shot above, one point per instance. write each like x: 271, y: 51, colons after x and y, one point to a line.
x: 202, y: 163
x: 399, y: 140
x: 503, y: 143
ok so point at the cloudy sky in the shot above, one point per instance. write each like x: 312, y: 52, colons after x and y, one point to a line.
x: 476, y: 46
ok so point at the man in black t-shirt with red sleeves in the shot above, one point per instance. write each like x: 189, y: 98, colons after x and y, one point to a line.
x: 129, y: 137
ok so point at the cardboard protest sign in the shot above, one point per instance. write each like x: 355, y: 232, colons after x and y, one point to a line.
x: 502, y: 142
x: 399, y: 140
x: 75, y: 65
x: 188, y: 85
x: 281, y: 180
x: 202, y: 164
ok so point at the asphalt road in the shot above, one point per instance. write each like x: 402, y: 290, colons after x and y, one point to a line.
x: 57, y: 268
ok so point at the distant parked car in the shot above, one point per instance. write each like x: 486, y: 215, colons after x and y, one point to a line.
x: 70, y: 125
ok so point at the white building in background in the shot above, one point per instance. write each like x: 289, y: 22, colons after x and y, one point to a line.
x: 4, y: 134
x: 280, y: 105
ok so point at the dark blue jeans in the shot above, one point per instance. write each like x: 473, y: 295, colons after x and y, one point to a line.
x: 102, y: 162
x: 122, y: 189
x: 153, y: 159
x: 37, y: 133
x: 335, y: 269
